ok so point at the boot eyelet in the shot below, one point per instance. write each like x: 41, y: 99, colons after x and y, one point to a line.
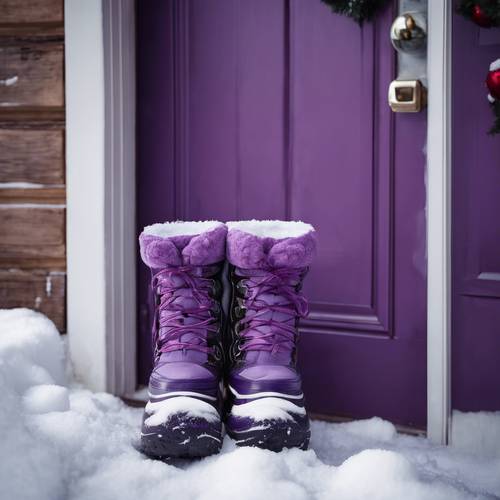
x: 238, y: 327
x: 241, y: 288
x: 237, y: 349
x: 239, y: 312
x: 216, y: 289
x: 217, y: 353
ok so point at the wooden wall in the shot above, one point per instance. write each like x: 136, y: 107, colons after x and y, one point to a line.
x: 32, y: 184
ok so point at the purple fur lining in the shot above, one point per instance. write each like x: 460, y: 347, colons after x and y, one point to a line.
x: 201, y: 249
x: 248, y: 251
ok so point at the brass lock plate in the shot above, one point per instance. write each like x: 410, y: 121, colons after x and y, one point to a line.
x: 407, y: 96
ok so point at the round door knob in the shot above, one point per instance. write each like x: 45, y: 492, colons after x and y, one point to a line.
x: 409, y: 33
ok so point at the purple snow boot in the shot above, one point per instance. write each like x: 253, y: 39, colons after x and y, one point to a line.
x: 183, y: 416
x: 268, y: 260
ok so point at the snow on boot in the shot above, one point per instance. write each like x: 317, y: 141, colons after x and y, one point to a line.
x: 268, y: 260
x: 183, y: 416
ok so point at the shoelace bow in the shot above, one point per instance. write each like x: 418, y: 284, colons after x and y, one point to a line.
x: 170, y: 313
x: 281, y: 334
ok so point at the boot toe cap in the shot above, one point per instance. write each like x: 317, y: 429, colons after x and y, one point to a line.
x: 184, y: 376
x: 266, y: 378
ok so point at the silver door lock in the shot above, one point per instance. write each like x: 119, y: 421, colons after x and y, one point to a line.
x: 409, y: 33
x: 407, y: 96
x: 407, y: 93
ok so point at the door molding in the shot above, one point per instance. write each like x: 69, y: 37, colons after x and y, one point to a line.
x: 100, y: 171
x: 439, y: 220
x: 120, y: 199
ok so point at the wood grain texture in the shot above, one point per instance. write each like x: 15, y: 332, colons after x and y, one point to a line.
x: 41, y: 290
x: 31, y: 74
x: 32, y: 218
x: 31, y: 11
x: 49, y: 195
x: 13, y: 261
x: 32, y: 117
x: 31, y: 232
x: 35, y: 32
x: 35, y: 156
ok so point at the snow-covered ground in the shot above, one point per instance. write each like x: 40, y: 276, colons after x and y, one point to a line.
x: 61, y: 441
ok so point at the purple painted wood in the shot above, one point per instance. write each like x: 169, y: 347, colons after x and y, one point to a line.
x: 476, y: 232
x: 156, y: 194
x: 278, y: 110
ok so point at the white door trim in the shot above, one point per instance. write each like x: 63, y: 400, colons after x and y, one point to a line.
x: 120, y: 200
x: 100, y: 179
x: 439, y: 220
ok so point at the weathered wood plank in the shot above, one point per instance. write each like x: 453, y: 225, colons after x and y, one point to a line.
x: 50, y: 195
x: 44, y: 291
x: 32, y: 263
x: 37, y: 32
x: 26, y: 117
x: 34, y: 232
x: 31, y: 11
x: 32, y: 75
x: 35, y: 156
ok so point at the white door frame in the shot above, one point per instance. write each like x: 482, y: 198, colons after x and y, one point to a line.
x: 439, y: 128
x: 100, y: 179
x: 101, y: 233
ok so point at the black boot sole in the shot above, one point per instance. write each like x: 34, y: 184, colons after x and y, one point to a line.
x: 181, y: 437
x: 274, y: 435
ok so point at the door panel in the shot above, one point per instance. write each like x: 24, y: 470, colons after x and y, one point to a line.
x: 336, y: 111
x: 235, y: 81
x: 279, y: 111
x: 475, y: 232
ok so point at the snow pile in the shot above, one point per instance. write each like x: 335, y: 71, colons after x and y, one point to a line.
x: 31, y: 358
x: 46, y: 398
x: 61, y: 442
x: 181, y: 228
x: 477, y: 433
x: 161, y: 411
x: 276, y: 229
x: 268, y: 408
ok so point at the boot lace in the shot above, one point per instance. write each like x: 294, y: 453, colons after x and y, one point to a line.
x: 184, y: 307
x: 261, y: 330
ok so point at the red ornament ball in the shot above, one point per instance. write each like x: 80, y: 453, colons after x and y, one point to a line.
x: 480, y: 18
x: 493, y: 83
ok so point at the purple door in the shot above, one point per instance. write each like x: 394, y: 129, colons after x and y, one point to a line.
x: 278, y: 109
x: 476, y: 231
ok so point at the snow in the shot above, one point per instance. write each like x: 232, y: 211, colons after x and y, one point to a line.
x: 495, y: 65
x: 180, y: 228
x: 27, y: 185
x: 8, y: 82
x: 276, y: 229
x: 46, y: 398
x: 61, y: 441
x: 263, y: 228
x: 477, y: 433
x: 161, y: 411
x: 267, y: 408
x: 48, y: 285
x: 32, y: 205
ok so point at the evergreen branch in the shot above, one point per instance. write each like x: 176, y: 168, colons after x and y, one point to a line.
x: 359, y: 10
x: 491, y: 9
x: 495, y: 106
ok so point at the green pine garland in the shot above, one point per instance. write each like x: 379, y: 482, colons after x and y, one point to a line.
x: 491, y: 9
x: 359, y: 10
x: 495, y: 106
